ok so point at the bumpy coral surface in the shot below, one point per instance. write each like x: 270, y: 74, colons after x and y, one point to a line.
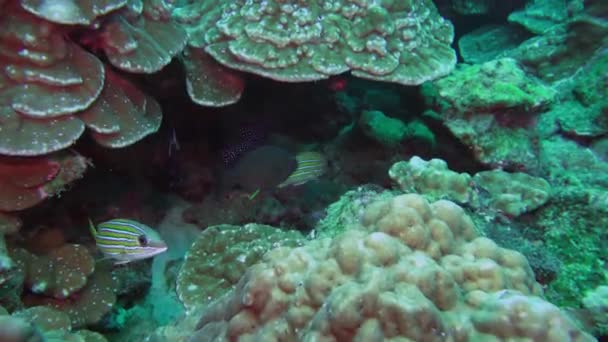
x: 413, y: 270
x: 433, y: 179
x: 512, y: 193
x: 495, y: 191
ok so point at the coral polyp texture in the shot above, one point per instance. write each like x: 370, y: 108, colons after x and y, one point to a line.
x: 406, y: 42
x: 411, y: 270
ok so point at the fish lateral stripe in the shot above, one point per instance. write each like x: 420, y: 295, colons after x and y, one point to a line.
x: 117, y: 233
x: 119, y: 249
x: 125, y: 222
x: 319, y: 161
x: 127, y: 226
x: 308, y: 167
x: 119, y: 239
x: 119, y: 228
x: 117, y: 243
x: 303, y: 176
x: 307, y: 171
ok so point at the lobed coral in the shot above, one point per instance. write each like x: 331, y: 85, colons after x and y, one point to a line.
x: 496, y: 191
x: 512, y: 193
x: 412, y: 269
x: 52, y: 88
x: 434, y: 179
x: 404, y: 42
x: 27, y: 182
x: 42, y: 324
x: 66, y: 279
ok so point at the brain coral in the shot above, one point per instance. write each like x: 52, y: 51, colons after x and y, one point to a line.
x: 412, y: 270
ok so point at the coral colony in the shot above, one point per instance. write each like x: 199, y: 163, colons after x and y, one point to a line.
x: 288, y: 170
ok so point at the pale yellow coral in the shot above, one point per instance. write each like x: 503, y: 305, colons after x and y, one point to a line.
x: 412, y: 270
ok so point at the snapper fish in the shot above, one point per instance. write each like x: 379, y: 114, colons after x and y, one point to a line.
x: 126, y: 240
x: 310, y: 166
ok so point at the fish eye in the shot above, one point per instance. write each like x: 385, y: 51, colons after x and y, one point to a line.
x: 143, y: 240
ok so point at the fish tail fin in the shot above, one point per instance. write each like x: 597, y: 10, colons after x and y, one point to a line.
x: 92, y: 229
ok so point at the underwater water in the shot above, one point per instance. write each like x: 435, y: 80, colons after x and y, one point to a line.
x: 207, y: 170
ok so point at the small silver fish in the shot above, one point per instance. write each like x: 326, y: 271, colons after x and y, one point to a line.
x: 126, y: 240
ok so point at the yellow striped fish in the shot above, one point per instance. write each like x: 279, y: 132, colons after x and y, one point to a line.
x: 126, y: 240
x: 311, y: 165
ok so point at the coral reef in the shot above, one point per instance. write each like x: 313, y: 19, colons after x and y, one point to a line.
x: 254, y: 137
x: 413, y: 269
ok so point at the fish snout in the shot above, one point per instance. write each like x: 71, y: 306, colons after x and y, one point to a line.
x: 160, y: 246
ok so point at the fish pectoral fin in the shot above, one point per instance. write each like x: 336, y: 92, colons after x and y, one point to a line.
x: 103, y: 262
x: 252, y: 196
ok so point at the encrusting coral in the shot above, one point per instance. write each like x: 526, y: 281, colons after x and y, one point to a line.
x: 220, y: 255
x: 411, y: 269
